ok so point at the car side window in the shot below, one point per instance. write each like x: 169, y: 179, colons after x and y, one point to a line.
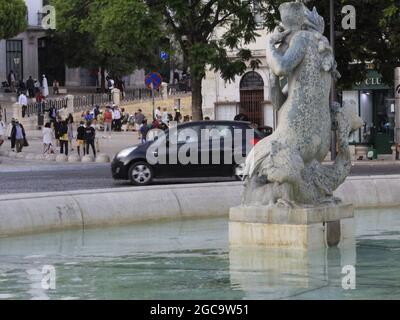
x: 219, y: 131
x: 185, y: 135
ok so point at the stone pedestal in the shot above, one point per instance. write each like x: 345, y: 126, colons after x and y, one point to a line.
x: 298, y: 228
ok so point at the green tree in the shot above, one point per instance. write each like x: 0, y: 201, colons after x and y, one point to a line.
x: 12, y: 18
x: 206, y: 31
x: 94, y: 35
x: 376, y: 38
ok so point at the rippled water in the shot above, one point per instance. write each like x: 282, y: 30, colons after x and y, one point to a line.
x: 192, y: 260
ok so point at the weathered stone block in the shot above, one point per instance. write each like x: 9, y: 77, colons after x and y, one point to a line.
x: 298, y: 228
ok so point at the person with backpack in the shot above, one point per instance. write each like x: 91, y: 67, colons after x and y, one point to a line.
x: 90, y: 136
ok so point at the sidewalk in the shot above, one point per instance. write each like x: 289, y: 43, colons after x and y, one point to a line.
x: 109, y: 146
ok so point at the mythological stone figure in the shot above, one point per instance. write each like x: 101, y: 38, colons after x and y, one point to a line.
x: 286, y: 168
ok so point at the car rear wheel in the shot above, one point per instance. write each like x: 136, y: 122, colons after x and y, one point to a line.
x: 239, y: 171
x: 141, y: 174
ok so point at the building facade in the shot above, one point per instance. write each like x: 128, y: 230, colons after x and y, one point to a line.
x: 248, y: 94
x: 374, y: 102
x: 20, y: 54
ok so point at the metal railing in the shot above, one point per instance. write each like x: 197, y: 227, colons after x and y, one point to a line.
x: 84, y: 102
x: 36, y: 108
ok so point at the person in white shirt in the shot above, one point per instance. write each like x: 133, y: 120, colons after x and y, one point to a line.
x: 2, y: 131
x: 117, y: 119
x: 47, y: 139
x: 157, y: 114
x: 45, y: 86
x: 23, y: 101
x: 165, y: 117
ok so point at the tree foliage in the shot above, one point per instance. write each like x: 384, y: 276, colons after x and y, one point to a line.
x: 376, y: 38
x: 94, y: 34
x: 206, y: 32
x: 12, y: 18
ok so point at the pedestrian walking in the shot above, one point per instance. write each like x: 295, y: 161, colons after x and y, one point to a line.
x: 165, y: 117
x: 108, y: 118
x: 30, y: 84
x: 45, y: 87
x: 47, y: 139
x: 18, y: 136
x: 144, y: 130
x: 158, y: 114
x: 139, y: 117
x: 117, y: 119
x: 9, y: 133
x: 64, y: 137
x: 80, y: 138
x: 90, y: 136
x: 23, y: 101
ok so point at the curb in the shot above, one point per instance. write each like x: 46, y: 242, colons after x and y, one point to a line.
x: 22, y: 214
x: 59, y: 158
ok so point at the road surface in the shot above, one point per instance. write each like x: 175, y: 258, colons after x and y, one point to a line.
x: 18, y: 176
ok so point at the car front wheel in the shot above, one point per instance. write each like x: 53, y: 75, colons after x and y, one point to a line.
x: 141, y: 174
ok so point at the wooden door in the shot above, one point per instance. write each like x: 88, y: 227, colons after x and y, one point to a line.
x: 251, y: 104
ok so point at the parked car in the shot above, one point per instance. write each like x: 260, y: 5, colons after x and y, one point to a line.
x: 133, y: 163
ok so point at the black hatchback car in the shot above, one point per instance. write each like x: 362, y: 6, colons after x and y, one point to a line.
x: 192, y: 149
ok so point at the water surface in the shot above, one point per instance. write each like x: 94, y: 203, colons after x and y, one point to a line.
x: 192, y: 260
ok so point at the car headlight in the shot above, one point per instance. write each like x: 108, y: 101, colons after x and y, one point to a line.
x: 124, y: 153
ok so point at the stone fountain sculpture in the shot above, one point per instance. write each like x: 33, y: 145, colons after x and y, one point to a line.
x: 284, y: 175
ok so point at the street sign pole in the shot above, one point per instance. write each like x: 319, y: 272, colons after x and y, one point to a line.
x: 153, y: 81
x: 153, y: 98
x: 397, y: 109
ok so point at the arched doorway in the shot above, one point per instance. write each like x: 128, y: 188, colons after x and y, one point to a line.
x: 252, y: 97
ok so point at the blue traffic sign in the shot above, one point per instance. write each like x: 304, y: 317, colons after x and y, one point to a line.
x: 153, y: 79
x: 164, y: 55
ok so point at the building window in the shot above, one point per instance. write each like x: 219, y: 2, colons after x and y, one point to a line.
x: 14, y: 58
x: 252, y: 81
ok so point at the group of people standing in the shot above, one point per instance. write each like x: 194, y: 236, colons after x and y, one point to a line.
x: 62, y: 130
